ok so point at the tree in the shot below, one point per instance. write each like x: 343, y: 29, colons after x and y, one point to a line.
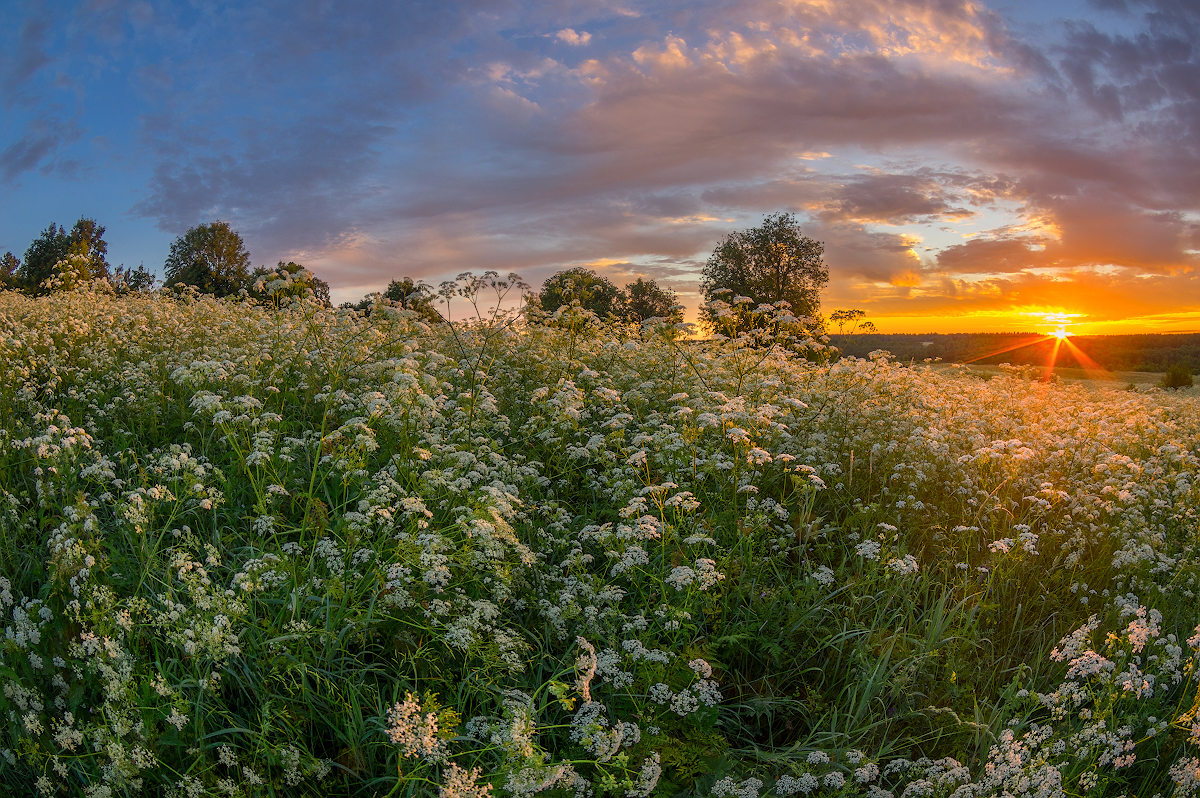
x: 593, y: 292
x: 288, y: 280
x: 405, y: 293
x: 211, y: 257
x: 10, y: 264
x: 415, y: 296
x: 87, y: 239
x: 132, y: 280
x: 52, y: 246
x: 55, y: 244
x: 646, y: 300
x: 768, y: 264
x: 1177, y: 376
x: 321, y: 291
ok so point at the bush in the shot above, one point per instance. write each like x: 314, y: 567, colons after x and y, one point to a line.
x: 1177, y: 376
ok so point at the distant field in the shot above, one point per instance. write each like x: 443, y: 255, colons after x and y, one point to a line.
x: 1099, y: 378
x: 1116, y: 353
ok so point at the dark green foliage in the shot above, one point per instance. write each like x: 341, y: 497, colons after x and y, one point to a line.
x: 646, y: 300
x: 592, y: 291
x: 46, y: 250
x: 1177, y: 376
x: 768, y: 263
x: 9, y: 266
x: 132, y: 280
x: 414, y: 296
x: 211, y: 257
x: 55, y: 244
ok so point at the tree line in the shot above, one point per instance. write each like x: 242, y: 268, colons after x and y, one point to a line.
x: 208, y: 258
x: 57, y: 256
x: 772, y: 267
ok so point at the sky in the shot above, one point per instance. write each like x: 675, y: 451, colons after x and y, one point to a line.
x: 1012, y: 165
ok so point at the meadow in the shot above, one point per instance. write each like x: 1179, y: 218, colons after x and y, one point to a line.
x: 258, y: 551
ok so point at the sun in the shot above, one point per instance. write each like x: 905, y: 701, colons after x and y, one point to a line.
x: 1061, y: 334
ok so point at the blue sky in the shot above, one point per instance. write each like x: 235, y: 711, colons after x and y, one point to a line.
x: 968, y: 166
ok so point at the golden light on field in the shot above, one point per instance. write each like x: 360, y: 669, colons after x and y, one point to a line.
x: 1061, y: 337
x: 1053, y: 361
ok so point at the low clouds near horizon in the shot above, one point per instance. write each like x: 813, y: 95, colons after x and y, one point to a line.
x: 956, y: 158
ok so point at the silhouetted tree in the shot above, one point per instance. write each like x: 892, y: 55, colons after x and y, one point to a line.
x: 211, y: 257
x: 132, y: 280
x: 767, y: 264
x: 593, y: 292
x: 321, y: 291
x: 646, y: 300
x: 415, y: 296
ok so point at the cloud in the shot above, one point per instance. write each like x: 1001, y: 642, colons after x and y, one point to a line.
x: 46, y: 136
x: 696, y: 109
x: 383, y: 139
x: 992, y: 256
x: 892, y: 199
x: 569, y: 36
x: 29, y: 56
x: 857, y: 254
x: 294, y: 186
x: 700, y: 125
x: 1117, y: 75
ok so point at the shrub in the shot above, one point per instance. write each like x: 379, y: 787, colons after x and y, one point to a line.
x: 1177, y: 376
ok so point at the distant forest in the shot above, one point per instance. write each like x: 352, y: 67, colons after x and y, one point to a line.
x: 1151, y: 352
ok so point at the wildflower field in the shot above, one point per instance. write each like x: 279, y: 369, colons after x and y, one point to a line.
x: 255, y: 551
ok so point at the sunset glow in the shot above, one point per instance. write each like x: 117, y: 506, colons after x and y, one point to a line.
x: 969, y: 167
